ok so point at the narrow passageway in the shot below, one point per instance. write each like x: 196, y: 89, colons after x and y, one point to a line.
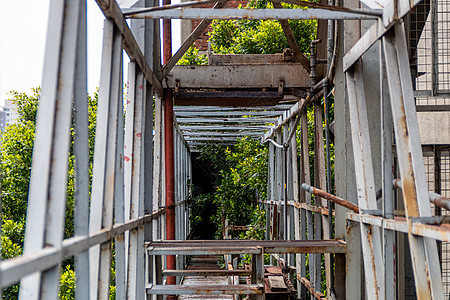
x: 206, y: 263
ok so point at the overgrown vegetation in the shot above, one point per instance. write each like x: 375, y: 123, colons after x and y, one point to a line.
x: 259, y: 36
x: 16, y: 155
x: 240, y: 182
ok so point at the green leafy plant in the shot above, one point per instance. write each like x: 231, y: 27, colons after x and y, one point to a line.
x: 259, y: 36
x: 192, y: 57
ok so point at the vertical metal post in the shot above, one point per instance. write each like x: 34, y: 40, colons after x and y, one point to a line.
x: 128, y: 166
x: 330, y: 53
x: 279, y: 188
x: 81, y: 152
x: 295, y: 217
x: 320, y: 181
x: 437, y: 188
x: 305, y: 177
x: 285, y: 184
x: 424, y: 252
x: 387, y: 177
x: 119, y: 211
x: 134, y: 179
x: 169, y: 151
x: 47, y: 195
x: 270, y: 178
x: 434, y: 47
x: 157, y: 166
x: 370, y: 235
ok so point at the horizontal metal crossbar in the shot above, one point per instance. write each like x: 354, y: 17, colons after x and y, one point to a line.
x: 441, y: 233
x: 198, y: 128
x: 223, y: 134
x: 200, y: 113
x: 20, y: 266
x: 280, y: 246
x: 207, y: 272
x: 225, y: 120
x: 280, y: 107
x: 257, y: 14
x: 189, y: 250
x: 205, y: 289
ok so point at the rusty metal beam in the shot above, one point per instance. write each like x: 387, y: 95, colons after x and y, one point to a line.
x: 310, y: 189
x: 169, y: 152
x: 311, y: 289
x: 291, y: 40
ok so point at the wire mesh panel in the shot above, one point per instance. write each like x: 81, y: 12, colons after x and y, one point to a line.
x: 437, y: 167
x: 429, y: 49
x: 445, y: 191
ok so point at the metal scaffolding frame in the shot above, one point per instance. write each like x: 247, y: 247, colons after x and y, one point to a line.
x: 143, y: 158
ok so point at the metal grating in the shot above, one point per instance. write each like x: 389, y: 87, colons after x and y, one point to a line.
x: 444, y: 187
x: 430, y: 49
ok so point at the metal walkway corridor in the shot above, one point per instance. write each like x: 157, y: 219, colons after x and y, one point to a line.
x: 374, y: 226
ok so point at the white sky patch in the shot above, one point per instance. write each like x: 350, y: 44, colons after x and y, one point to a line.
x: 23, y: 26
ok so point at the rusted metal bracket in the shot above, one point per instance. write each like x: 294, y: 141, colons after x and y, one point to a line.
x: 280, y: 87
x: 177, y: 85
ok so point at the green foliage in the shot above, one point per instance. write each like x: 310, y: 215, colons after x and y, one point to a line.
x: 259, y: 36
x: 16, y: 153
x: 67, y: 284
x: 12, y: 243
x: 241, y: 180
x: 191, y: 57
x: 16, y: 160
x: 26, y: 105
x: 14, y: 232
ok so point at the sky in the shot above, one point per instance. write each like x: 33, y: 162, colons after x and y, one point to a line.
x: 23, y: 26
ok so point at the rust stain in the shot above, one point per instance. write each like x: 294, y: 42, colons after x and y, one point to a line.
x: 409, y: 195
x: 372, y: 260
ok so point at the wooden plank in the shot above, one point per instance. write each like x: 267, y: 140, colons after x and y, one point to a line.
x: 239, y: 76
x: 276, y: 283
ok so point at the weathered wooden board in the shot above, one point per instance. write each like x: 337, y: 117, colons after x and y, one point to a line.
x: 276, y: 283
